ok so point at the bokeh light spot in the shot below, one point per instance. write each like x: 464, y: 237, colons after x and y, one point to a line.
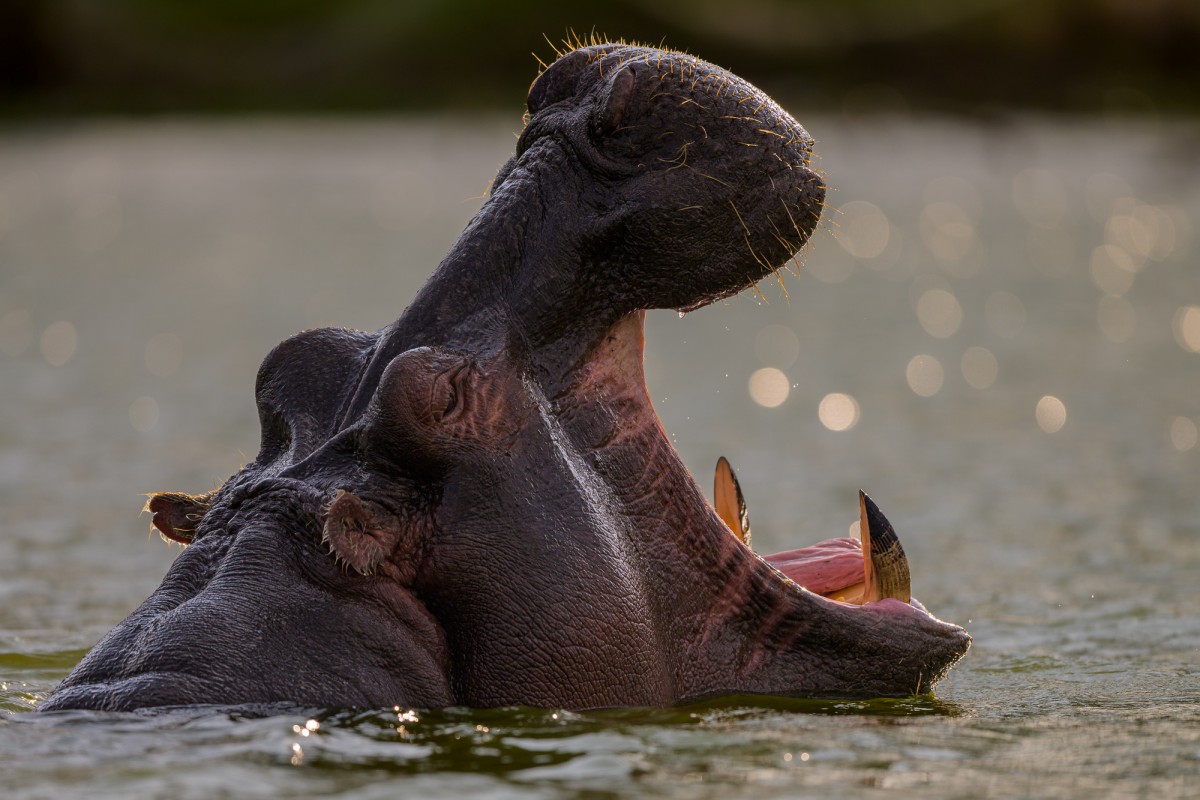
x: 838, y: 411
x: 1051, y: 414
x: 1102, y: 191
x: 925, y: 375
x: 1181, y: 233
x: 939, y: 313
x: 957, y: 191
x: 1187, y: 328
x: 58, y: 343
x: 1183, y: 434
x: 1135, y: 227
x: 769, y: 387
x: 947, y: 231
x: 863, y: 229
x: 777, y: 346
x: 831, y: 267
x: 979, y: 367
x: 1112, y: 269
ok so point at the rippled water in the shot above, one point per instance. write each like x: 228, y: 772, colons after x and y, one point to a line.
x: 998, y: 344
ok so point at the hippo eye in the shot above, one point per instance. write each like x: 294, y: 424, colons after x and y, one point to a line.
x: 447, y: 398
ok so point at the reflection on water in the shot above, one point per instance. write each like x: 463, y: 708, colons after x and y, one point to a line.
x: 995, y: 333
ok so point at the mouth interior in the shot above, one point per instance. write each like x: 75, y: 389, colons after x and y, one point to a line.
x: 845, y: 570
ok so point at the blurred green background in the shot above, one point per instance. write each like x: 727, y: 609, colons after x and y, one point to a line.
x: 970, y: 56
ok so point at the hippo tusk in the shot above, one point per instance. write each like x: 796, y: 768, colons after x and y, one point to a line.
x: 885, y: 567
x: 729, y: 502
x: 824, y: 568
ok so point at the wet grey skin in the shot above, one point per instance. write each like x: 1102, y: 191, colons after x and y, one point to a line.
x: 477, y: 505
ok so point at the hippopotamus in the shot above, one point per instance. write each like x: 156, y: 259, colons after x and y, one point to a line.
x: 477, y: 505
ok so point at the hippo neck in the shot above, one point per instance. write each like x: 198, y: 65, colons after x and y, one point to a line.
x: 507, y: 282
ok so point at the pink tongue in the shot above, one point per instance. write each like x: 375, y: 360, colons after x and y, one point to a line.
x: 823, y: 567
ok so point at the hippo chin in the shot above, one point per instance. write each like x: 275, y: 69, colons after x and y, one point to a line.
x: 478, y: 505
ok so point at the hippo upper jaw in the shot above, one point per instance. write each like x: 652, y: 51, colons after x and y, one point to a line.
x: 689, y: 183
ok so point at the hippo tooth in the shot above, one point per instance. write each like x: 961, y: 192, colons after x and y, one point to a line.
x: 729, y: 502
x: 885, y: 566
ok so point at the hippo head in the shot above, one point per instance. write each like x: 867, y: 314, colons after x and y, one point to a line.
x: 478, y: 505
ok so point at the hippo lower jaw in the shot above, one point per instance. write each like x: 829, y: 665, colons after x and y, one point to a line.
x: 832, y: 619
x: 870, y: 575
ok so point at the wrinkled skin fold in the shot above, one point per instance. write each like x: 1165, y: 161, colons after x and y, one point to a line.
x: 477, y: 504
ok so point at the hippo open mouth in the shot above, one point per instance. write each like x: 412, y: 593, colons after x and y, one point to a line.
x: 847, y: 570
x: 478, y: 505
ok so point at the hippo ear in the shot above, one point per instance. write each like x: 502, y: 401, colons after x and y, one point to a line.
x: 176, y: 514
x: 360, y: 533
x: 557, y: 82
x: 616, y: 102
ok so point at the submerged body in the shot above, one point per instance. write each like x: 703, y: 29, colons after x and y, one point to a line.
x: 478, y: 505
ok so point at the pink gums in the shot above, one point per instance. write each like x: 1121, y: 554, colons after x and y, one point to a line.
x: 824, y: 567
